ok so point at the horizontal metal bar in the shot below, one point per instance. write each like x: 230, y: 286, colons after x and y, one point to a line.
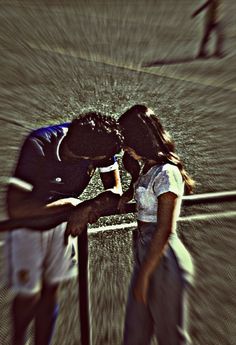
x: 188, y: 200
x: 195, y: 217
x: 44, y: 223
x: 208, y: 198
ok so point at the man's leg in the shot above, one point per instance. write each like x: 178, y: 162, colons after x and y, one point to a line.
x: 46, y: 315
x: 23, y: 311
x: 202, y: 50
x: 219, y: 51
x: 23, y: 250
x: 59, y: 265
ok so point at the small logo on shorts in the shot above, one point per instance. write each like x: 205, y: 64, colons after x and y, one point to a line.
x: 23, y: 276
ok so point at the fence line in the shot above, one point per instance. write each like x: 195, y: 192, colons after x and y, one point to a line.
x: 48, y: 222
x: 196, y: 217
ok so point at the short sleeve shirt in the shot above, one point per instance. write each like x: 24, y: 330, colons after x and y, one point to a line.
x: 41, y: 170
x: 158, y: 180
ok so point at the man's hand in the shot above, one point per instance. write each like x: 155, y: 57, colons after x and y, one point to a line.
x: 194, y: 14
x: 79, y: 218
x: 89, y: 211
x: 124, y: 199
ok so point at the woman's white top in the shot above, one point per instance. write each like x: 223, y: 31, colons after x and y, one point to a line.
x: 158, y: 180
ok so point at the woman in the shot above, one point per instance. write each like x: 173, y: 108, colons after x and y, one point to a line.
x: 163, y: 270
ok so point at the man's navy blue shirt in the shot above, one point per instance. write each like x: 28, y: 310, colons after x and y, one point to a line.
x: 40, y: 166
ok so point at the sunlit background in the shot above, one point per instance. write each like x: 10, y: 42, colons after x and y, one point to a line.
x: 61, y: 58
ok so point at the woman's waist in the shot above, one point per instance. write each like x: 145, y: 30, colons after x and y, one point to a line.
x: 147, y: 217
x: 146, y: 226
x: 144, y: 236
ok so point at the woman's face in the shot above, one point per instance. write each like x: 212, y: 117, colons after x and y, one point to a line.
x: 133, y: 153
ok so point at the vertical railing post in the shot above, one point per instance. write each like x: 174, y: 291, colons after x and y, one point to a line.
x: 84, y: 288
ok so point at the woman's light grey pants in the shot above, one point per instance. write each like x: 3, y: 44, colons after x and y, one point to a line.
x: 165, y: 315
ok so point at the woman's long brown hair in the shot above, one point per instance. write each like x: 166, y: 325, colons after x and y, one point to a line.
x: 145, y: 134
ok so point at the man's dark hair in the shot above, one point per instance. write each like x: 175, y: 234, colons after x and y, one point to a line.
x: 93, y: 134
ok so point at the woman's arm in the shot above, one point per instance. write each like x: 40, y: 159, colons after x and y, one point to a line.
x: 166, y: 223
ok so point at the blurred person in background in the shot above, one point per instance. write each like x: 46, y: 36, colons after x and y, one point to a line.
x: 163, y: 269
x: 55, y: 165
x: 213, y: 22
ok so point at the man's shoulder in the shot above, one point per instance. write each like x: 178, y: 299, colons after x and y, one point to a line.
x: 47, y: 133
x: 107, y: 162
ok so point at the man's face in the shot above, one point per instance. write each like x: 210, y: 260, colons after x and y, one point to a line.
x: 67, y: 155
x: 133, y: 153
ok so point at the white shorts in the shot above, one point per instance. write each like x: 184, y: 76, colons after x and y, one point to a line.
x: 37, y: 257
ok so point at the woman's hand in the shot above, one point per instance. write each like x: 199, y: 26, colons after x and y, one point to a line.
x: 140, y: 290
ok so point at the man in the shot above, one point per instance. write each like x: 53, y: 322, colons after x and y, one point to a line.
x: 55, y: 165
x: 213, y: 22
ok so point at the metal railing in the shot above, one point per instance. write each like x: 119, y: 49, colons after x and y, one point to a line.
x: 47, y: 223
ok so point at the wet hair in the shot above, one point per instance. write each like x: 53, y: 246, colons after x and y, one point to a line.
x: 93, y: 134
x: 144, y: 133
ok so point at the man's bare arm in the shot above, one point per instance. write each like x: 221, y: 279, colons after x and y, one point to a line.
x: 90, y: 210
x: 201, y: 8
x: 22, y: 204
x: 111, y: 181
